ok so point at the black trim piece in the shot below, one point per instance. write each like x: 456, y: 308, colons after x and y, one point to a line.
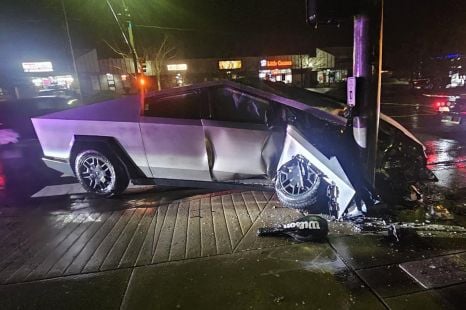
x: 259, y: 185
x: 59, y: 165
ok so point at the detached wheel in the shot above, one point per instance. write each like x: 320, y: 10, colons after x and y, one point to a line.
x: 101, y: 174
x: 297, y: 183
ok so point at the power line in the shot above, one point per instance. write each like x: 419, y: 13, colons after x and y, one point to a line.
x: 183, y: 29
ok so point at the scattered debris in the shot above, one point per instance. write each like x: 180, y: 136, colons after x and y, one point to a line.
x: 415, y: 194
x: 392, y: 230
x: 439, y: 212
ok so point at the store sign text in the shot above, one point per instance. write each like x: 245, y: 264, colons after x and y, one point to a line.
x: 177, y: 67
x: 42, y: 66
x: 276, y: 63
x: 229, y: 64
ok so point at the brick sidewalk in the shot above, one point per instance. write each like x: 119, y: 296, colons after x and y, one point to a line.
x: 74, y: 243
x: 153, y: 252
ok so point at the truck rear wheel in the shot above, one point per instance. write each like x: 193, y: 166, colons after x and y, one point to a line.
x: 101, y: 173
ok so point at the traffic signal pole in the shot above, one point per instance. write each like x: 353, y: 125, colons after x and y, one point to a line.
x: 127, y: 41
x: 140, y: 82
x: 70, y: 43
x: 367, y: 65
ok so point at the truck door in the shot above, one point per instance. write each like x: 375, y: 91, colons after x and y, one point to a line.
x: 173, y: 136
x: 244, y: 142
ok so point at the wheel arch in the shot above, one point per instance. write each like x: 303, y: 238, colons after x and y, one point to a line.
x: 110, y: 144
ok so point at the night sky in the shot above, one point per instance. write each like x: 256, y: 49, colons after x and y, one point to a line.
x: 212, y: 28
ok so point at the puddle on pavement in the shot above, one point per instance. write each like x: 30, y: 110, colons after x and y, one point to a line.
x: 447, y: 159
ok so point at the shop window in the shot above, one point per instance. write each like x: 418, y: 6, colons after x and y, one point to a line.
x: 234, y: 106
x: 184, y: 106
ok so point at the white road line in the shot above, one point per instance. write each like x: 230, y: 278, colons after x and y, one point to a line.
x: 76, y: 188
x: 59, y: 190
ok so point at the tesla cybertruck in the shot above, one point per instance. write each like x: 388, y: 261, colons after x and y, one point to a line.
x: 227, y: 134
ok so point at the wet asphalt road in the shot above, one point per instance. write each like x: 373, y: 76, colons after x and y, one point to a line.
x: 445, y: 142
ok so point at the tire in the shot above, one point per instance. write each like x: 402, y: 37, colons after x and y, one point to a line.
x: 297, y: 183
x: 101, y: 173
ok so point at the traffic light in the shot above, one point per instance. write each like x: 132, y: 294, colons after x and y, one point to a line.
x: 144, y: 67
x: 142, y: 81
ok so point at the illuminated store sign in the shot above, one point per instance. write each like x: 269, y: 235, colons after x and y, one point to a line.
x: 43, y: 66
x: 229, y: 64
x: 276, y: 63
x: 177, y: 67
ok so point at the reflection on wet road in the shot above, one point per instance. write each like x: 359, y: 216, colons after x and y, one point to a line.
x: 445, y: 142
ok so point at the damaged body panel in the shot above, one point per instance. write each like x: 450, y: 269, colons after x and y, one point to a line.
x: 230, y: 143
x: 331, y: 171
x: 223, y: 132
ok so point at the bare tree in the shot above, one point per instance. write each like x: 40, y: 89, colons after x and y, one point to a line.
x: 159, y: 56
x: 156, y: 55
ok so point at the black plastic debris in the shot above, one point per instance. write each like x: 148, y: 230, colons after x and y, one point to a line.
x: 396, y: 230
x: 307, y: 228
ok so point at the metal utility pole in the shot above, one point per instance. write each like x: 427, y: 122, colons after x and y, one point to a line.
x: 141, y: 79
x: 367, y: 65
x: 130, y: 26
x: 75, y: 68
x: 125, y: 38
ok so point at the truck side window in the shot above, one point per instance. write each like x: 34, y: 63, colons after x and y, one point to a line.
x: 184, y: 106
x: 235, y: 106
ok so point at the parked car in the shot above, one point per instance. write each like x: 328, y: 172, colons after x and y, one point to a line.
x: 20, y: 152
x: 224, y: 133
x: 16, y: 114
x: 429, y: 83
x: 450, y: 104
x: 59, y: 92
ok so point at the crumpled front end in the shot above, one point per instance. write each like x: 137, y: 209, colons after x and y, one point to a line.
x: 401, y: 163
x: 339, y: 190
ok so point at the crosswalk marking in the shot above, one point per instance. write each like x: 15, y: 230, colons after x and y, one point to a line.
x: 75, y: 188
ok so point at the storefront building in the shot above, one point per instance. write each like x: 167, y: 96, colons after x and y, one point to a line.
x: 43, y: 76
x: 34, y: 76
x: 303, y: 70
x: 276, y: 69
x: 332, y: 76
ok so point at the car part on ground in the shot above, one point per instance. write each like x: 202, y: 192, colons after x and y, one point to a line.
x: 396, y: 230
x: 307, y: 228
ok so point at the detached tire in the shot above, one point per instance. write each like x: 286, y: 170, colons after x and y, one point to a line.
x: 297, y: 183
x: 101, y: 173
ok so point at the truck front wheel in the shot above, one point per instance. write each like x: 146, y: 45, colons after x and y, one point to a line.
x: 100, y: 173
